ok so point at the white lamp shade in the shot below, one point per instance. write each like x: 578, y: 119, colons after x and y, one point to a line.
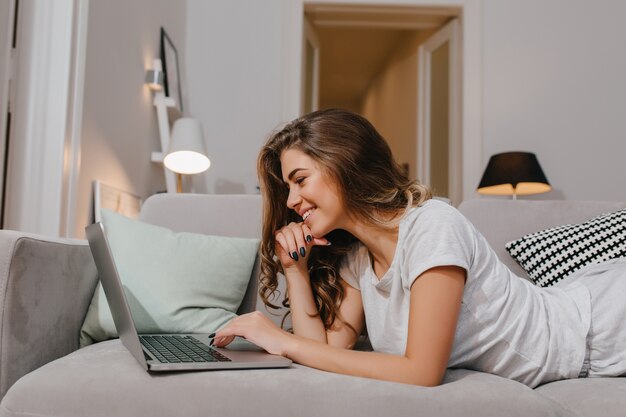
x: 186, y: 154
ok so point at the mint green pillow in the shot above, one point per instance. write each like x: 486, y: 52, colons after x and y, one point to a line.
x: 174, y: 282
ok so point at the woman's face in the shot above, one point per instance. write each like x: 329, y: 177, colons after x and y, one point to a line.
x: 312, y: 193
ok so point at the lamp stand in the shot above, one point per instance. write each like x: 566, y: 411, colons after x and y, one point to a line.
x: 167, y: 113
x: 179, y: 182
x: 514, y: 195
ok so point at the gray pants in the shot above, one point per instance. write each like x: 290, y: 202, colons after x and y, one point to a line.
x: 606, y: 340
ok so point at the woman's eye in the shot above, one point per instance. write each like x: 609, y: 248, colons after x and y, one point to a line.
x: 299, y: 180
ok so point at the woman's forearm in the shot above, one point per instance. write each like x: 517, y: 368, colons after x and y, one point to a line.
x: 304, y: 315
x: 436, y: 297
x: 374, y: 365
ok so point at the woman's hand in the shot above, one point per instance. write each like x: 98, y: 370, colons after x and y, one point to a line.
x: 259, y: 330
x: 293, y: 244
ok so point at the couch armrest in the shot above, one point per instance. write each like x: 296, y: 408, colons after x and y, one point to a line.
x: 46, y: 286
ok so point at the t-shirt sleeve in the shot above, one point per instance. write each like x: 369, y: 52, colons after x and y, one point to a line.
x: 438, y: 235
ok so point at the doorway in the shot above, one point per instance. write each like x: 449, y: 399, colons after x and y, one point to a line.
x: 367, y: 62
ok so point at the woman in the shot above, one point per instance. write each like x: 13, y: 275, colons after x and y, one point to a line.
x: 357, y: 242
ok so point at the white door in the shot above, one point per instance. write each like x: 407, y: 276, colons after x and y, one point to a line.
x: 439, y: 152
x: 310, y: 69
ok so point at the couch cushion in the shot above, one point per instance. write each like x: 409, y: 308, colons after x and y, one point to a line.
x: 104, y: 380
x: 239, y: 215
x: 174, y: 282
x: 550, y: 255
x: 604, y: 397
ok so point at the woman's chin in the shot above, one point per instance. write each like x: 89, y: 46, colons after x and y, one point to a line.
x: 318, y: 232
x: 314, y: 231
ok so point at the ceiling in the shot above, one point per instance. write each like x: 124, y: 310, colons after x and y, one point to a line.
x: 356, y: 42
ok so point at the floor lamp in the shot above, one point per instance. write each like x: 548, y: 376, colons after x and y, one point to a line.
x: 186, y: 154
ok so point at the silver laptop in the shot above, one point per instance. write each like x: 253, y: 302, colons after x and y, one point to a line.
x: 169, y: 352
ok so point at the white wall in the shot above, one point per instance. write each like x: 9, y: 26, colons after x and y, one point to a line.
x: 552, y: 82
x: 119, y: 127
x: 557, y: 90
x: 250, y: 54
x: 555, y: 84
x: 234, y: 68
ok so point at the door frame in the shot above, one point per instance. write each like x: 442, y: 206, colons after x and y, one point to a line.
x: 7, y: 21
x: 471, y: 57
x: 309, y: 36
x: 449, y: 33
x: 47, y: 113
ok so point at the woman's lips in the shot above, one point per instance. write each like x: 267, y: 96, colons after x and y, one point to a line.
x: 307, y: 213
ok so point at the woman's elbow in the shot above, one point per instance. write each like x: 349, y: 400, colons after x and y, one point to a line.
x: 425, y: 378
x: 428, y: 383
x: 423, y: 381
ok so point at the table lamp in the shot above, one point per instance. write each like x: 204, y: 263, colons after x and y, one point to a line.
x: 186, y: 154
x: 513, y: 173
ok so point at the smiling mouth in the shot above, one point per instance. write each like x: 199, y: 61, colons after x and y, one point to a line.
x: 307, y: 214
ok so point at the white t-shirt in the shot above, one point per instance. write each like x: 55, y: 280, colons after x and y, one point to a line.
x: 507, y: 326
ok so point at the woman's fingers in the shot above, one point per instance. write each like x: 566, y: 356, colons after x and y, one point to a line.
x: 320, y: 241
x: 295, y: 240
x: 291, y: 238
x: 291, y: 243
x: 312, y: 241
x: 282, y: 241
x: 256, y: 328
x: 236, y: 327
x: 222, y: 341
x: 227, y: 333
x: 308, y: 236
x: 300, y: 240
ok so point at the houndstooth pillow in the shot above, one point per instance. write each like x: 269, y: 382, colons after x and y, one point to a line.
x: 552, y: 254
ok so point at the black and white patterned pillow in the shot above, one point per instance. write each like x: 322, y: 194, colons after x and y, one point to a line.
x: 552, y: 254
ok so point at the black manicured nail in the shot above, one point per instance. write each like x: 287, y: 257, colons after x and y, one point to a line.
x: 309, y: 238
x: 212, y: 341
x: 212, y: 335
x: 302, y: 252
x: 294, y: 256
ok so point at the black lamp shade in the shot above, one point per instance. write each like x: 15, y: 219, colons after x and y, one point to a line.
x: 513, y: 173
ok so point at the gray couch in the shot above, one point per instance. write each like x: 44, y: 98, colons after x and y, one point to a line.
x: 46, y: 285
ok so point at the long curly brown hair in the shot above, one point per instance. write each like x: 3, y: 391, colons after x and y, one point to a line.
x: 372, y: 186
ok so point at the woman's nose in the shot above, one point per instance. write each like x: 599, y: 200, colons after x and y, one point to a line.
x: 293, y: 199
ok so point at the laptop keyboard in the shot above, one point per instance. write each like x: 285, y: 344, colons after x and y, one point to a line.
x: 178, y: 349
